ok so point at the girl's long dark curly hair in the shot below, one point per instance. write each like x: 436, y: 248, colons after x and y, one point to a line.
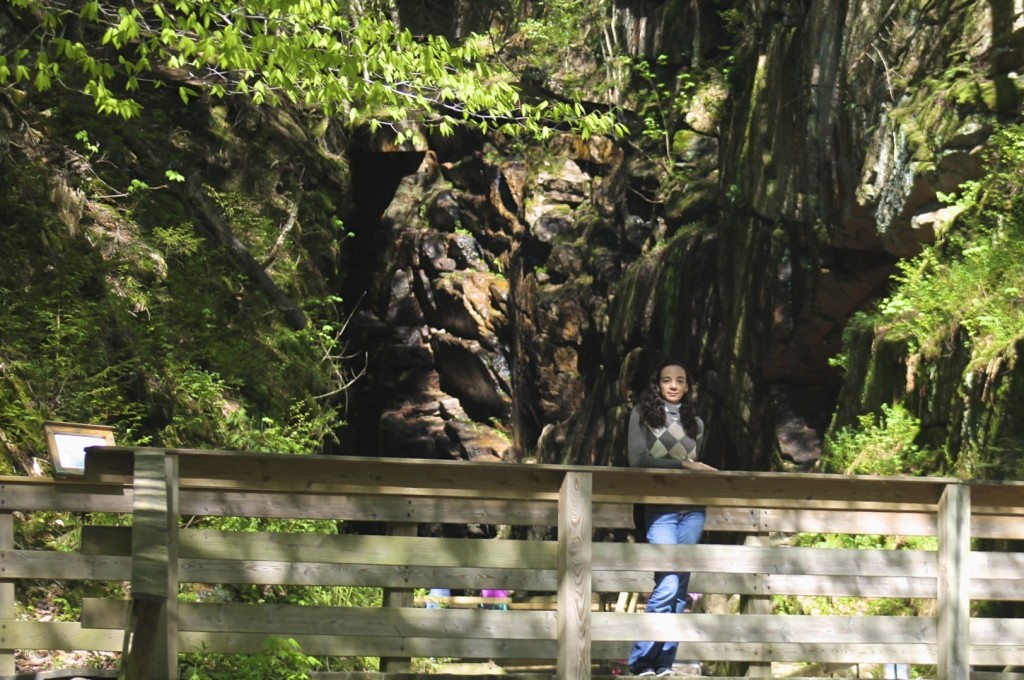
x: 652, y: 405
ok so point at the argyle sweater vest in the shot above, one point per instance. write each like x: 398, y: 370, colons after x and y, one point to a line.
x: 671, y: 440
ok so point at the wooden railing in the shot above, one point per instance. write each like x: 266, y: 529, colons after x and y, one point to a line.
x: 160, y: 487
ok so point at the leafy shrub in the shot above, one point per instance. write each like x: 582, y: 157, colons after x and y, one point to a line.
x: 281, y: 659
x: 883, y: 447
x: 971, y: 280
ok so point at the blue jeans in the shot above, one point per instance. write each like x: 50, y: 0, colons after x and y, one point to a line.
x: 438, y: 592
x: 667, y: 525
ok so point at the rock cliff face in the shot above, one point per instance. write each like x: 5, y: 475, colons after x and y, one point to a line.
x: 517, y: 299
x: 510, y: 297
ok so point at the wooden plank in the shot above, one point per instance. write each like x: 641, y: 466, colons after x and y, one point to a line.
x: 141, y: 633
x: 996, y: 642
x: 758, y: 605
x: 847, y: 521
x: 795, y: 652
x: 373, y: 575
x: 544, y: 513
x: 995, y: 633
x: 997, y: 497
x: 106, y: 540
x: 766, y: 490
x: 776, y: 560
x: 878, y: 517
x: 1004, y: 527
x: 885, y: 523
x: 287, y: 619
x: 150, y: 643
x: 574, y: 582
x: 150, y: 527
x: 995, y: 654
x: 412, y: 477
x: 331, y: 645
x: 953, y: 598
x: 996, y: 565
x: 472, y: 602
x: 29, y: 494
x: 313, y: 548
x: 6, y: 586
x: 44, y: 564
x: 344, y: 475
x: 340, y: 549
x: 850, y: 586
x: 114, y: 541
x: 77, y: 496
x: 40, y: 564
x: 383, y: 508
x: 439, y: 625
x: 73, y: 566
x: 1005, y: 590
x: 545, y: 649
x: 167, y: 649
x: 55, y: 636
x: 611, y: 484
x: 397, y: 550
x: 398, y: 598
x: 521, y: 649
x: 765, y: 628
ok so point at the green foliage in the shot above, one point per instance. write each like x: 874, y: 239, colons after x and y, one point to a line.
x: 310, y: 53
x: 561, y: 33
x: 178, y: 240
x: 972, y: 281
x: 278, y: 658
x: 161, y: 338
x: 48, y: 530
x: 311, y: 596
x: 878, y: 447
x: 866, y: 542
x: 661, y: 103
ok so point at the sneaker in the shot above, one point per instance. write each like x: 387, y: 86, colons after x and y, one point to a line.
x: 662, y: 672
x: 647, y: 671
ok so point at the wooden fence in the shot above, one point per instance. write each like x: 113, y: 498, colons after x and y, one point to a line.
x: 162, y: 489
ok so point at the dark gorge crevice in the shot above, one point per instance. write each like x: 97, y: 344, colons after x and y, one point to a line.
x: 375, y: 177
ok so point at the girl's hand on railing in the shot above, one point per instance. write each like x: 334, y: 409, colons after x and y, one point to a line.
x: 697, y: 465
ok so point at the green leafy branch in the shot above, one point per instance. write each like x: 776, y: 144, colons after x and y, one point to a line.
x: 305, y: 52
x: 662, y: 104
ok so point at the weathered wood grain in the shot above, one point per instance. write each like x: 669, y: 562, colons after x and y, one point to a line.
x: 6, y: 588
x: 576, y: 500
x: 953, y: 635
x: 574, y: 580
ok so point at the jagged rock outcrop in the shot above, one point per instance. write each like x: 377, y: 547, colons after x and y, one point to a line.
x: 552, y: 283
x: 841, y: 133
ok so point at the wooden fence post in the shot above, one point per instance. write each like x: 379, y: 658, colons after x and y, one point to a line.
x: 575, y: 564
x: 954, y: 524
x: 401, y: 598
x: 151, y: 634
x: 6, y: 588
x: 758, y: 604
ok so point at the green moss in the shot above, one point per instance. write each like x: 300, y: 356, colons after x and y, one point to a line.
x: 686, y: 199
x: 757, y: 88
x: 937, y: 107
x: 682, y: 141
x: 997, y: 95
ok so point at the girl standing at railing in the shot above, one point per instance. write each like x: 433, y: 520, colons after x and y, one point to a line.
x: 665, y: 432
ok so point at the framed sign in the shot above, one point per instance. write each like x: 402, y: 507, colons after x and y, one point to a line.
x: 67, y: 442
